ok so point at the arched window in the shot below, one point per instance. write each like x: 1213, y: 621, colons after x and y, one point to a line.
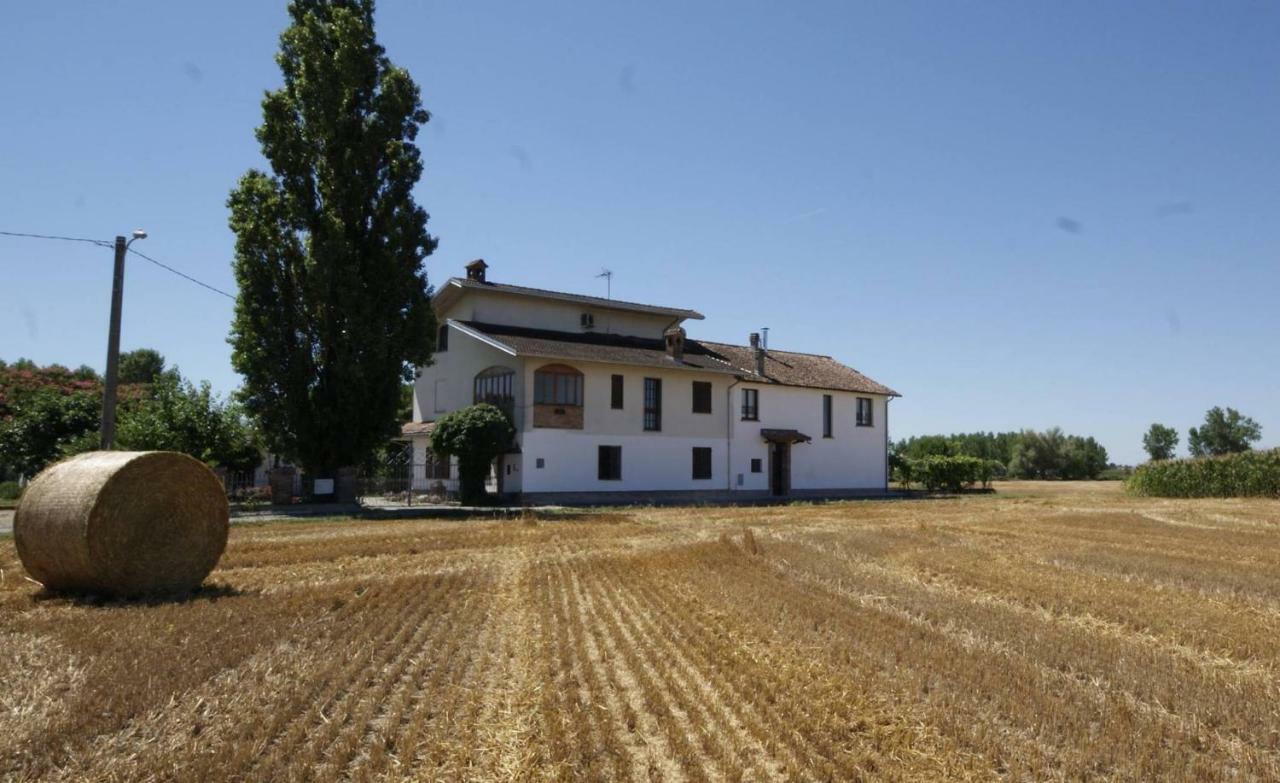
x: 557, y: 384
x: 494, y: 386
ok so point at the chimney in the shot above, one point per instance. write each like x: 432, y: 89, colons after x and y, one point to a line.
x: 758, y: 352
x: 475, y: 270
x: 675, y: 342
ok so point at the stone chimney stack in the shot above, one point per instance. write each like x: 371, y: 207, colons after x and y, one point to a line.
x: 675, y: 342
x: 475, y: 270
x: 758, y: 352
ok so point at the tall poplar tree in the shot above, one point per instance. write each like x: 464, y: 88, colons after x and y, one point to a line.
x: 334, y: 305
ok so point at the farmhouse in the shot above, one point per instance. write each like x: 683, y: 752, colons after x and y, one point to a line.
x: 612, y: 401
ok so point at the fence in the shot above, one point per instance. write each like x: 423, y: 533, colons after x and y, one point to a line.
x: 395, y: 480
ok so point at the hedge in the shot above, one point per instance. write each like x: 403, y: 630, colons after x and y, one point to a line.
x: 10, y: 490
x: 1247, y: 474
x: 949, y: 473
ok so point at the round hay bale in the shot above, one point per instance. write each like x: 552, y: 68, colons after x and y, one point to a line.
x: 122, y: 522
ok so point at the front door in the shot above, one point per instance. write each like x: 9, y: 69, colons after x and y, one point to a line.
x: 779, y: 468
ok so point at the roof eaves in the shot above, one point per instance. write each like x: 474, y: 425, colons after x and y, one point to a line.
x: 481, y: 336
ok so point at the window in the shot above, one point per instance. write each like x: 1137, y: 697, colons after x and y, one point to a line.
x: 653, y: 404
x: 826, y: 415
x: 615, y: 393
x: 701, y: 396
x: 437, y: 466
x: 439, y: 390
x: 757, y: 465
x: 609, y: 463
x: 864, y: 411
x: 494, y: 386
x: 442, y: 339
x: 541, y: 463
x: 588, y: 321
x: 557, y: 384
x: 701, y: 462
x: 750, y: 404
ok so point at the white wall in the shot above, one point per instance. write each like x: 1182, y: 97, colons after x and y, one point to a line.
x: 649, y: 462
x: 678, y: 417
x: 496, y: 307
x: 449, y: 383
x: 853, y: 458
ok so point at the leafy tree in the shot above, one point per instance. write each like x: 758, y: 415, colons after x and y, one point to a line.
x: 1160, y: 442
x: 476, y: 435
x: 143, y: 365
x: 178, y: 416
x: 1223, y: 432
x: 44, y: 425
x: 334, y: 306
x: 1082, y: 458
x: 1039, y: 454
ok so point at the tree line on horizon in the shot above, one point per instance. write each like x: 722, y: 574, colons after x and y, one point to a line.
x: 1026, y: 454
x: 1223, y: 432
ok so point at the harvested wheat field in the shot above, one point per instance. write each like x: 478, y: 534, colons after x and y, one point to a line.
x: 1062, y: 632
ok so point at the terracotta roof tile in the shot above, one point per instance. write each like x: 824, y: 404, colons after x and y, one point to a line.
x: 801, y: 369
x: 781, y: 367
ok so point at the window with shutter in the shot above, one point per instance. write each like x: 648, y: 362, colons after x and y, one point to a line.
x: 701, y: 396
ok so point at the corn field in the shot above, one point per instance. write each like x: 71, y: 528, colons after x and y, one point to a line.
x: 1048, y: 632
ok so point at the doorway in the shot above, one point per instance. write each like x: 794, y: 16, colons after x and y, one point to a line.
x: 779, y: 469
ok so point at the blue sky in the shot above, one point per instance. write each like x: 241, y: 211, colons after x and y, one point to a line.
x: 1016, y: 214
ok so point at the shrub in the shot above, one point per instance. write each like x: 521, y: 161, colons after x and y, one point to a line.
x: 476, y: 435
x: 9, y: 490
x: 1247, y: 474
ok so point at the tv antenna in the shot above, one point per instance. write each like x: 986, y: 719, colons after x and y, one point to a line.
x: 607, y: 274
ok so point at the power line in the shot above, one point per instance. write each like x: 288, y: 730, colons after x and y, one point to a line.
x: 102, y: 242
x: 183, y: 275
x: 105, y: 243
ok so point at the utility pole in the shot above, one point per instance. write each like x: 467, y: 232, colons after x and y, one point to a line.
x: 113, y: 343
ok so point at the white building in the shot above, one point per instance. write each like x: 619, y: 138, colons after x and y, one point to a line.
x: 611, y: 402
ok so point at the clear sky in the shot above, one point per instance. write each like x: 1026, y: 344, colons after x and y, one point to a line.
x: 1016, y: 214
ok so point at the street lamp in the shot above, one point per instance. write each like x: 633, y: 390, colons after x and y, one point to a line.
x: 113, y: 342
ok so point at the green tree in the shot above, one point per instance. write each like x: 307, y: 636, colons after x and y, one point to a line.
x: 476, y: 435
x: 334, y: 306
x: 178, y: 416
x: 1038, y: 454
x: 143, y: 365
x: 44, y: 426
x: 1160, y: 442
x: 1082, y: 458
x: 1223, y: 432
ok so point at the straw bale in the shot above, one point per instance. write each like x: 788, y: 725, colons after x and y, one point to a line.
x: 123, y: 523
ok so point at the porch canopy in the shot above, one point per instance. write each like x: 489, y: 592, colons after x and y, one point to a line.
x: 784, y: 436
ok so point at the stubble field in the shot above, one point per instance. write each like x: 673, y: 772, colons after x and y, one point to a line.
x: 1048, y: 632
